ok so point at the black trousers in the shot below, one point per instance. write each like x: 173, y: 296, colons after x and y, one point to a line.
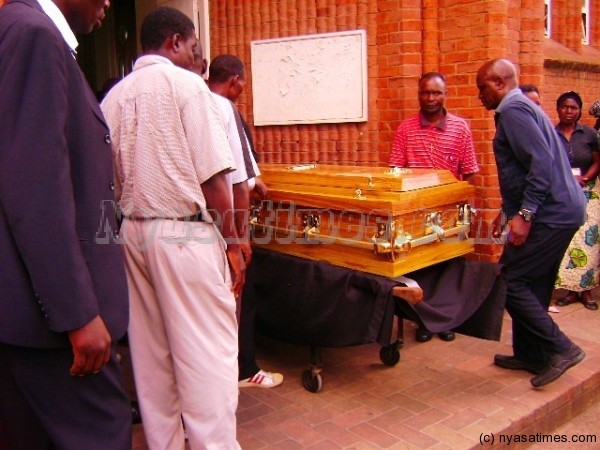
x: 246, y: 340
x: 43, y: 407
x: 531, y: 271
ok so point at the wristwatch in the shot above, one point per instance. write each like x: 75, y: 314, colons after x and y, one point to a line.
x: 526, y: 214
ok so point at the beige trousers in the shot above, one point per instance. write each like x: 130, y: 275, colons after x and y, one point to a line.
x: 182, y: 333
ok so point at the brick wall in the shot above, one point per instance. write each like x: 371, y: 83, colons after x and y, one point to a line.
x: 405, y: 39
x: 235, y: 23
x: 569, y: 65
x: 559, y: 79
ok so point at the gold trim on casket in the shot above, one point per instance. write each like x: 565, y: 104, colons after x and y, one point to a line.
x: 374, y: 219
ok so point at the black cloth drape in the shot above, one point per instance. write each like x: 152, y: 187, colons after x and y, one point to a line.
x: 318, y: 304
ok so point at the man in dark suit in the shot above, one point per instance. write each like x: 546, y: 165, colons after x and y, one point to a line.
x: 63, y: 293
x: 545, y: 206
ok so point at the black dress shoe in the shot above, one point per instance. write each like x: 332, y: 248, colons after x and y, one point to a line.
x: 558, y: 365
x: 591, y: 304
x: 570, y: 298
x: 423, y: 335
x: 588, y: 301
x: 446, y: 335
x: 512, y: 363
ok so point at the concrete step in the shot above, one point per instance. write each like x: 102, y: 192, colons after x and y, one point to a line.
x: 582, y: 428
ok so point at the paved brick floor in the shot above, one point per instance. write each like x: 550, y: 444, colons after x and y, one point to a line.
x: 439, y: 396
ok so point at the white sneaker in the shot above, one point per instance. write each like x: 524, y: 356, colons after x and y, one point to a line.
x: 262, y: 379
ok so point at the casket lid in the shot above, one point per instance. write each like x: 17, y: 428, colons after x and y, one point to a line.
x: 371, y: 178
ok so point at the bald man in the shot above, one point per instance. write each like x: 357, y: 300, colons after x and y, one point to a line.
x: 545, y: 207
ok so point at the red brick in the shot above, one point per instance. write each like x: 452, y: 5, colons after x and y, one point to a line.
x: 463, y: 36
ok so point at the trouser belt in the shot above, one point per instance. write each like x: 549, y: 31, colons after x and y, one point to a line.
x: 193, y: 218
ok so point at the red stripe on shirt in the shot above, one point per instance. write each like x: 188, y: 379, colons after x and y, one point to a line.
x: 452, y: 146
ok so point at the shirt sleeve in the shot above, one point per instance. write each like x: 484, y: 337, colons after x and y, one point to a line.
x: 239, y: 175
x: 205, y: 133
x: 532, y: 151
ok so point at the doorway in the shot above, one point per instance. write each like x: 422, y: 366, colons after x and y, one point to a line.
x: 110, y: 52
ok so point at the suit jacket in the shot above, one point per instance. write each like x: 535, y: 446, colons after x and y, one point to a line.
x: 60, y: 266
x: 250, y: 138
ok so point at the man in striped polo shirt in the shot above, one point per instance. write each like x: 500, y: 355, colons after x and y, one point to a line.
x: 434, y: 139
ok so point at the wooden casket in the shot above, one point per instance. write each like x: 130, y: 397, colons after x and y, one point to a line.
x: 374, y: 219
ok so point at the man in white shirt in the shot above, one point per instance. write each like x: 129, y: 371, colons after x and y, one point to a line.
x: 183, y: 260
x: 227, y: 79
x: 246, y: 168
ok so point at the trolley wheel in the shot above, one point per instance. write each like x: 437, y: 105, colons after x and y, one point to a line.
x: 390, y: 354
x: 312, y: 381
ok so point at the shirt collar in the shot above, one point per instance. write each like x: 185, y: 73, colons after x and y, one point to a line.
x: 150, y: 59
x: 59, y: 20
x: 578, y: 127
x: 426, y: 124
x: 513, y: 93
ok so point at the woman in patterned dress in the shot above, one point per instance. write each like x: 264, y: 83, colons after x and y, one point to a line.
x: 595, y: 111
x: 580, y: 266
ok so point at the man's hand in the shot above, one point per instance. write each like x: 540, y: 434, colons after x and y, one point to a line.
x: 218, y: 201
x: 519, y: 230
x: 91, y: 347
x: 260, y: 190
x: 246, y: 250
x: 237, y: 267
